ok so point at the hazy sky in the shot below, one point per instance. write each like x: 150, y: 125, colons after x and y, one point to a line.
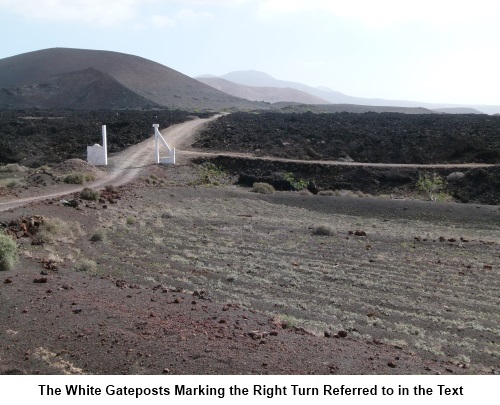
x: 425, y: 50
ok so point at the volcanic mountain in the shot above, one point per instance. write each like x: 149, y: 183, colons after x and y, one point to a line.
x: 90, y: 79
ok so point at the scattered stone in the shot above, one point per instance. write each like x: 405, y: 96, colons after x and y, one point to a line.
x: 49, y: 264
x: 77, y: 310
x: 257, y: 334
x: 120, y: 283
x: 488, y: 267
x: 70, y: 203
x: 332, y: 368
x: 23, y: 227
x: 455, y: 176
x: 342, y: 333
x: 7, y: 281
x: 328, y: 334
x: 391, y: 364
x: 40, y: 280
x: 273, y: 333
x: 360, y: 233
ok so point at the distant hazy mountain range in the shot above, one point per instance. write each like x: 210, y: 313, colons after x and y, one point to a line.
x: 89, y: 79
x: 266, y: 84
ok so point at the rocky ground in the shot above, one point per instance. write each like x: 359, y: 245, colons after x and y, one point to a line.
x: 173, y: 274
x: 366, y: 138
x: 183, y: 272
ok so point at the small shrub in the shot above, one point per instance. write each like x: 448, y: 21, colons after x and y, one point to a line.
x: 433, y: 186
x: 8, y: 253
x: 287, y: 321
x: 297, y: 184
x: 323, y: 230
x: 43, y: 169
x: 86, y: 265
x: 131, y: 220
x: 54, y: 229
x: 110, y: 188
x: 13, y: 168
x: 98, y: 236
x: 89, y: 194
x: 89, y: 177
x: 13, y: 184
x: 210, y: 173
x: 74, y: 178
x: 263, y: 188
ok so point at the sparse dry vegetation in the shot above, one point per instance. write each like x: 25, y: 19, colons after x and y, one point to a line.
x: 98, y: 236
x: 263, y: 188
x: 90, y: 194
x: 422, y: 277
x: 323, y: 230
x: 56, y: 229
x: 86, y: 265
x: 74, y: 178
x: 8, y: 253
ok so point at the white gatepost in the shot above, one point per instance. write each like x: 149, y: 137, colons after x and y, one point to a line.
x: 170, y: 159
x: 97, y: 155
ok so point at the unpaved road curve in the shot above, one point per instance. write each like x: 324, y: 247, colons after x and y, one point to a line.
x: 126, y: 165
x: 335, y: 162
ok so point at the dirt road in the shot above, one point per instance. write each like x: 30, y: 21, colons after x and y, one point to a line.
x: 124, y: 166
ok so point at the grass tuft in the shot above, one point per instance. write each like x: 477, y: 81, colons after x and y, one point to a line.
x: 323, y: 230
x: 90, y: 194
x: 86, y: 265
x: 8, y: 253
x: 263, y: 188
x: 75, y: 178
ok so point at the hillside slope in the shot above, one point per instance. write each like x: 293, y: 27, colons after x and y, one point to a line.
x: 155, y: 82
x: 84, y: 89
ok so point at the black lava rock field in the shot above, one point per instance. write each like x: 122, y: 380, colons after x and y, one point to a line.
x: 367, y: 137
x: 34, y: 138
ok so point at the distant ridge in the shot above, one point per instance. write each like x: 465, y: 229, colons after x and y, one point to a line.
x: 457, y: 110
x: 267, y: 94
x: 259, y: 79
x: 152, y: 83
